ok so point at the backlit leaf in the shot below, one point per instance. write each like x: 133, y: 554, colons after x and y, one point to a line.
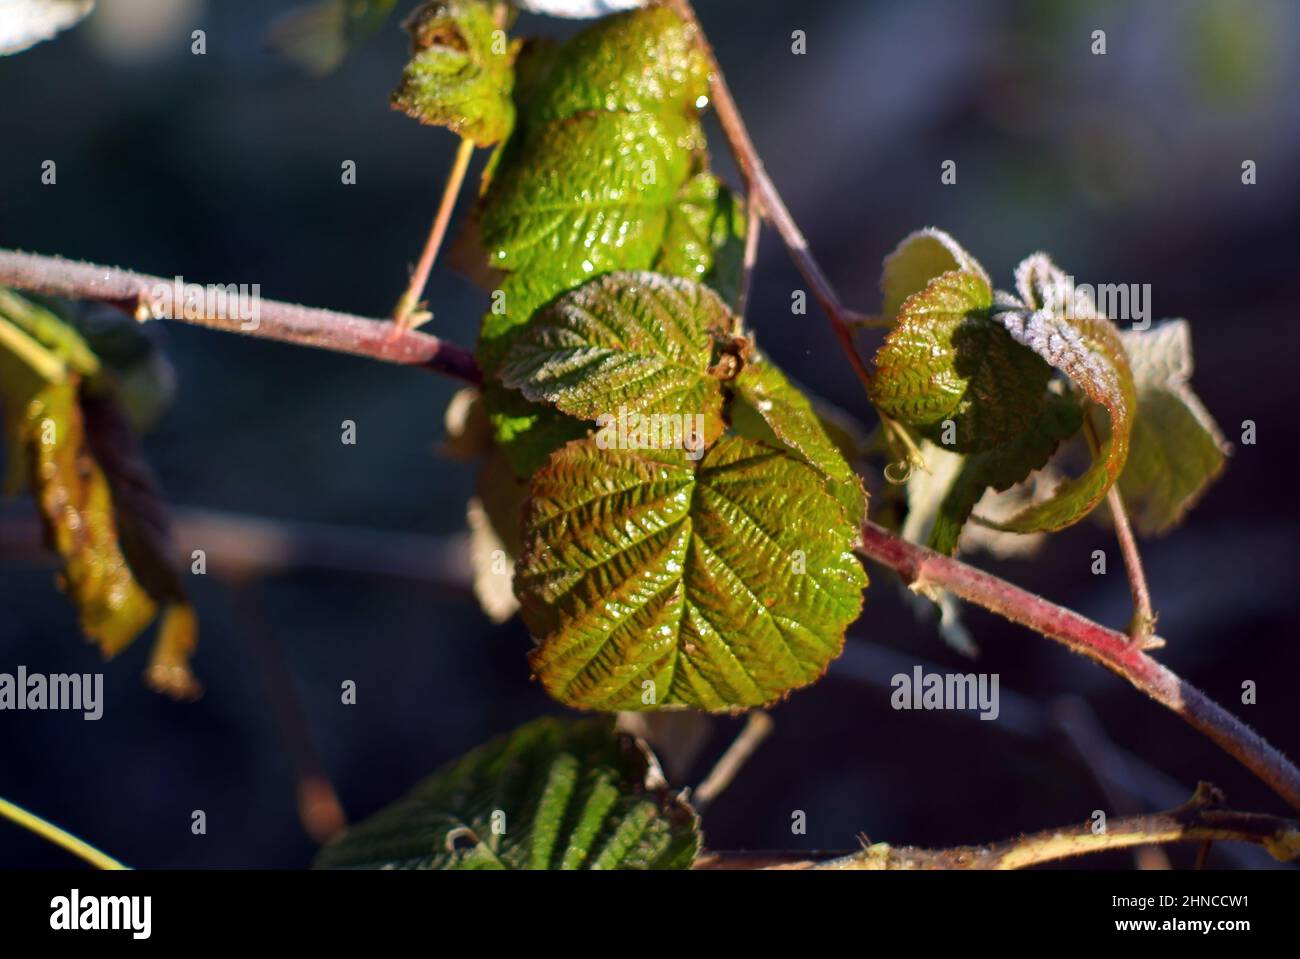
x: 648, y: 581
x: 553, y: 794
x: 1177, y: 450
x: 763, y: 387
x: 460, y: 75
x: 917, y: 260
x: 636, y: 342
x: 590, y: 182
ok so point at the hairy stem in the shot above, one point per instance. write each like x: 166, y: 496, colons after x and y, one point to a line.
x: 1114, y: 650
x: 60, y: 837
x: 405, y: 313
x: 1196, y: 821
x: 352, y: 334
x: 306, y: 326
x: 769, y: 198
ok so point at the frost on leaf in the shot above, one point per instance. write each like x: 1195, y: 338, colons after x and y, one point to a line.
x: 552, y: 794
x: 1084, y: 345
x: 648, y: 581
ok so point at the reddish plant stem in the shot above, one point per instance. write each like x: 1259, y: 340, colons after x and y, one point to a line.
x: 760, y: 184
x: 352, y: 334
x: 286, y: 322
x: 1112, y: 649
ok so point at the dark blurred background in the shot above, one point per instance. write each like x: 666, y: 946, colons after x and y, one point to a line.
x: 226, y: 168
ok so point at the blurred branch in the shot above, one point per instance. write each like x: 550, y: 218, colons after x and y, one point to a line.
x: 757, y: 727
x: 149, y: 296
x: 238, y: 547
x: 920, y: 566
x: 319, y: 809
x: 1109, y: 766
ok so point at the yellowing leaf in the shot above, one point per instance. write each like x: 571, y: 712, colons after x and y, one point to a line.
x: 553, y: 794
x: 76, y: 508
x: 1177, y: 450
x: 648, y: 582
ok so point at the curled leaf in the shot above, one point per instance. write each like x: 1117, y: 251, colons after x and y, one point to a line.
x: 1084, y: 345
x: 76, y: 507
x: 650, y: 582
x: 460, y: 75
x: 553, y: 794
x: 495, y: 517
x: 918, y: 259
x: 952, y: 372
x: 705, y: 236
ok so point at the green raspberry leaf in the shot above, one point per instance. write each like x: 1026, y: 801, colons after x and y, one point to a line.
x: 461, y: 71
x: 553, y: 794
x: 952, y: 372
x: 705, y: 236
x: 636, y: 342
x: 605, y: 165
x: 648, y: 582
x: 762, y: 387
x: 1085, y: 346
x: 918, y: 259
x: 1177, y: 450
